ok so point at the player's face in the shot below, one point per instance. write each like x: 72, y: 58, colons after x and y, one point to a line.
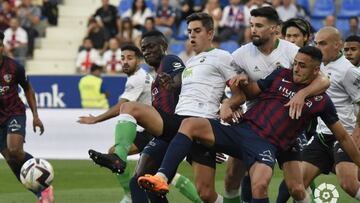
x: 304, y: 69
x: 153, y: 50
x: 352, y: 52
x: 129, y: 62
x: 294, y: 35
x: 261, y: 30
x: 199, y: 37
x: 329, y: 47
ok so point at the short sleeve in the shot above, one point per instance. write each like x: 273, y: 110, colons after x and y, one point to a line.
x: 267, y: 81
x: 172, y: 65
x: 133, y: 88
x: 329, y: 114
x: 227, y: 66
x: 351, y: 83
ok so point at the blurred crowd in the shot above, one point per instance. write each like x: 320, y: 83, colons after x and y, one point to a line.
x: 22, y: 21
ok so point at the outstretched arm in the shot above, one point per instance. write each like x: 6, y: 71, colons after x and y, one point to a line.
x: 317, y: 86
x: 30, y: 98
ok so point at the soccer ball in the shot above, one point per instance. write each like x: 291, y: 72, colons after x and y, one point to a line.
x: 36, y: 174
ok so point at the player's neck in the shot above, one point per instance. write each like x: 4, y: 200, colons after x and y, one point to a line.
x: 268, y: 47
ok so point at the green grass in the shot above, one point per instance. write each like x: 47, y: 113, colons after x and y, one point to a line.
x: 81, y: 181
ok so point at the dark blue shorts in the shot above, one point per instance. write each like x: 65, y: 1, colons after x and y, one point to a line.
x: 14, y: 125
x: 241, y: 142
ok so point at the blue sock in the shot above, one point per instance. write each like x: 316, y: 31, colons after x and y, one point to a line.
x: 16, y: 165
x: 155, y: 198
x: 283, y: 195
x: 265, y: 200
x: 178, y: 148
x: 246, y: 195
x: 137, y: 194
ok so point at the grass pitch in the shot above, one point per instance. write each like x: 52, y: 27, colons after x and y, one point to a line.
x: 80, y: 181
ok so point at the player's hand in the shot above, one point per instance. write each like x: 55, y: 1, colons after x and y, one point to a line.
x: 240, y: 80
x: 220, y: 158
x: 296, y: 105
x: 37, y: 123
x: 164, y: 80
x: 237, y: 115
x: 226, y: 113
x: 87, y: 119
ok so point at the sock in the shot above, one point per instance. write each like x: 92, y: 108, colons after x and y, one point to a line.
x: 265, y: 200
x: 137, y: 194
x: 124, y: 180
x: 283, y: 194
x: 357, y: 195
x: 155, y: 198
x: 178, y: 148
x: 232, y: 196
x: 246, y: 195
x: 219, y: 199
x: 186, y: 188
x: 125, y: 133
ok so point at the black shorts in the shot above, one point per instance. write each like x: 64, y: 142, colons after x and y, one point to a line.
x: 203, y: 155
x: 142, y: 139
x: 14, y: 125
x: 292, y: 154
x: 319, y: 152
x: 171, y: 124
x: 339, y: 154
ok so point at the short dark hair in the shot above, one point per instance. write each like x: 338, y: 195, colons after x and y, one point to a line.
x: 155, y: 33
x: 94, y: 67
x: 133, y: 48
x: 266, y: 12
x: 300, y: 23
x: 150, y: 18
x: 353, y: 38
x: 313, y: 52
x: 354, y: 17
x: 205, y: 19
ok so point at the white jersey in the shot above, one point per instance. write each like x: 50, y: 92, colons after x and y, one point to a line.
x: 138, y: 87
x: 258, y: 66
x: 344, y: 91
x: 203, y: 83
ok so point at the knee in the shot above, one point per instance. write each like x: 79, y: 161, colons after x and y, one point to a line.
x: 206, y: 193
x: 130, y: 108
x: 297, y: 191
x: 232, y: 181
x: 15, y: 153
x: 259, y: 189
x: 187, y: 126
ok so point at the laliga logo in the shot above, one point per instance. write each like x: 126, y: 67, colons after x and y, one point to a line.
x: 326, y: 193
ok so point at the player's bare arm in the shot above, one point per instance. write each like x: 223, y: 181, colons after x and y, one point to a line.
x: 30, y: 97
x: 356, y: 132
x: 347, y: 143
x: 317, y: 86
x: 111, y: 113
x: 169, y: 82
x: 231, y: 105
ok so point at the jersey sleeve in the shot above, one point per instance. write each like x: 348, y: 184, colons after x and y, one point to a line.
x: 21, y: 76
x: 172, y: 65
x: 227, y: 66
x: 329, y: 114
x: 133, y: 88
x: 238, y: 59
x: 267, y: 81
x: 351, y: 83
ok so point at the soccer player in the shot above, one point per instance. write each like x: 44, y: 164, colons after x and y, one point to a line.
x: 259, y: 58
x: 265, y: 129
x: 203, y: 83
x: 138, y: 88
x: 13, y: 117
x: 323, y: 152
x: 352, y: 49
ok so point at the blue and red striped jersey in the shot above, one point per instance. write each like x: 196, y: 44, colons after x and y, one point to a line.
x: 12, y: 74
x: 269, y: 118
x: 162, y: 98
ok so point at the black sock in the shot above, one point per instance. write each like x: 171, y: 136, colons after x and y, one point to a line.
x: 265, y: 200
x: 137, y: 194
x: 155, y: 198
x: 246, y: 195
x: 283, y: 195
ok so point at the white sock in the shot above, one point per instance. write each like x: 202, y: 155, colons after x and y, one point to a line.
x: 162, y: 175
x: 232, y: 193
x: 307, y: 198
x: 357, y: 196
x: 219, y: 199
x: 175, y: 179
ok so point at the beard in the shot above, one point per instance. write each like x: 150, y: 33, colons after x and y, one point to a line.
x: 257, y: 41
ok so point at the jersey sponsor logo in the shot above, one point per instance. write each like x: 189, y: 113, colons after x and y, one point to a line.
x: 177, y: 65
x: 286, y: 81
x: 7, y: 78
x: 290, y: 94
x: 187, y: 73
x: 3, y: 90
